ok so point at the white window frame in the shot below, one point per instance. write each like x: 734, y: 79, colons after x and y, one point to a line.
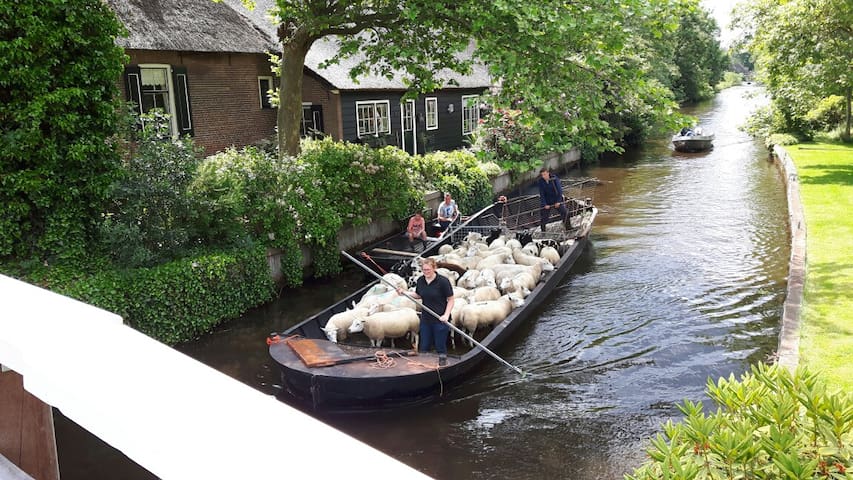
x: 381, y: 124
x: 262, y: 94
x: 431, y: 112
x: 303, y: 120
x: 407, y: 121
x: 173, y: 117
x: 470, y: 113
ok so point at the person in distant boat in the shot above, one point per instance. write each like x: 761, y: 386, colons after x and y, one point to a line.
x: 436, y: 294
x: 416, y: 228
x: 685, y: 132
x: 447, y: 212
x: 550, y: 196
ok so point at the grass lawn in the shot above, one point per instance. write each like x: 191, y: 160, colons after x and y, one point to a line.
x: 826, y: 186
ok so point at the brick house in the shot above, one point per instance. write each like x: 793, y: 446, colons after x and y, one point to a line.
x: 207, y: 63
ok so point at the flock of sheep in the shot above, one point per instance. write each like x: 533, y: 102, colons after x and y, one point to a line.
x: 489, y: 281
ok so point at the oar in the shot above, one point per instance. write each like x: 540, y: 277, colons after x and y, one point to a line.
x: 454, y: 327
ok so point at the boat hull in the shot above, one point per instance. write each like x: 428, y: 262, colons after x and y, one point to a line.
x: 693, y: 143
x: 359, y: 385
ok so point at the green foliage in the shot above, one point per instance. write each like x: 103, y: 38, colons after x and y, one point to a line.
x: 801, y: 54
x: 780, y: 139
x: 591, y: 53
x: 827, y: 114
x: 58, y: 70
x: 249, y: 196
x: 459, y: 173
x: 730, y: 79
x: 363, y: 184
x: 149, y: 217
x: 508, y: 138
x: 769, y: 424
x: 699, y: 60
x: 180, y: 300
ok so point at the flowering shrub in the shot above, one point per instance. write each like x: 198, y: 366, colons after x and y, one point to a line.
x: 249, y: 196
x: 364, y: 184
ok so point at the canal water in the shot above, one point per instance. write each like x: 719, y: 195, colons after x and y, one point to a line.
x: 683, y: 281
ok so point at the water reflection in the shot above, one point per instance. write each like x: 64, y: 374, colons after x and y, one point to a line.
x: 684, y: 280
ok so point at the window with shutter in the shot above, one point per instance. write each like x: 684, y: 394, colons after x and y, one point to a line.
x: 163, y: 87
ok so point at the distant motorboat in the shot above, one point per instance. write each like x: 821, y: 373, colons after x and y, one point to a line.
x: 693, y: 140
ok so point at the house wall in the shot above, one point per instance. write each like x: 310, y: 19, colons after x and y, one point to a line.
x: 448, y: 135
x: 318, y: 92
x: 223, y: 92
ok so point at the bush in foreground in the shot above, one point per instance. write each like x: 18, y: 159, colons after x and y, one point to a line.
x: 770, y: 424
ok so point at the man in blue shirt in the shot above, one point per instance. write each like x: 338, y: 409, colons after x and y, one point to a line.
x: 550, y: 196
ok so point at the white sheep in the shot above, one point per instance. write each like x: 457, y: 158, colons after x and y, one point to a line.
x: 492, y: 260
x: 532, y: 248
x: 449, y: 274
x: 486, y: 278
x: 445, y: 249
x: 481, y: 294
x: 469, y: 279
x: 394, y: 279
x: 498, y: 242
x: 550, y: 254
x: 381, y: 325
x: 509, y: 271
x: 338, y: 324
x: 401, y: 301
x: 522, y: 258
x: 473, y: 237
x: 490, y: 313
x: 459, y: 292
x: 522, y: 283
x: 513, y: 243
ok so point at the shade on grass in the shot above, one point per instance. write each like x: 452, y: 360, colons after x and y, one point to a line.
x: 826, y: 186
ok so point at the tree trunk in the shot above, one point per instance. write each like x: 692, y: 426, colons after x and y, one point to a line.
x: 847, y: 128
x: 290, y: 96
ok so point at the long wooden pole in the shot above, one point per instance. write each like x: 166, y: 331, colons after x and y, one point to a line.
x: 454, y: 327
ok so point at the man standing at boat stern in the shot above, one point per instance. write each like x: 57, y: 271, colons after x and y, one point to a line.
x: 550, y: 196
x: 436, y: 294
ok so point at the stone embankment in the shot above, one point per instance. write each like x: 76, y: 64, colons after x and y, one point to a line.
x: 789, y: 335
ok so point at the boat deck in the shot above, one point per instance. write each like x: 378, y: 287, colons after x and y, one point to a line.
x: 322, y: 357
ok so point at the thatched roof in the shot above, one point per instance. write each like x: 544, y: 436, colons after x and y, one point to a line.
x: 188, y: 25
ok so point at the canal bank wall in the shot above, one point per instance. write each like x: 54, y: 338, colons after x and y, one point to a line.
x: 351, y: 237
x: 788, y: 351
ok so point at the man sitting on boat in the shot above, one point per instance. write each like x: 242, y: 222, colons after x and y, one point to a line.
x: 447, y: 212
x: 550, y: 196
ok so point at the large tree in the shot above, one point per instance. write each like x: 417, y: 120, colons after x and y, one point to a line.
x: 562, y: 63
x: 698, y: 56
x: 803, y: 51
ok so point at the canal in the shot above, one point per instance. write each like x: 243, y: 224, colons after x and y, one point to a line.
x: 684, y: 280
